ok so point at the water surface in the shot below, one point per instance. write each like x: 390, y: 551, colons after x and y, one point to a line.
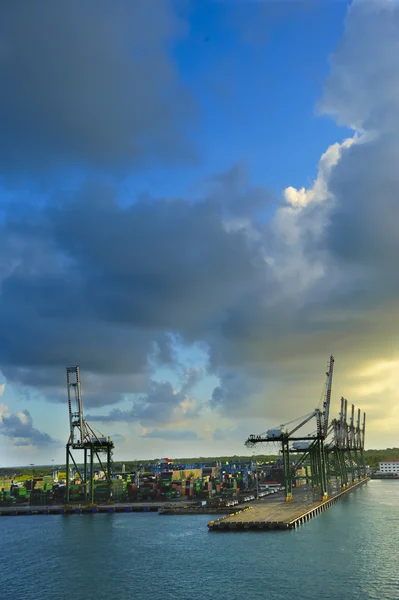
x: 347, y: 553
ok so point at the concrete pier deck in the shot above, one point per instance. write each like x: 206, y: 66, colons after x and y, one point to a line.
x: 275, y: 514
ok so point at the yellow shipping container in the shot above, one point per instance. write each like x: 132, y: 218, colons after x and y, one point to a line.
x: 183, y: 475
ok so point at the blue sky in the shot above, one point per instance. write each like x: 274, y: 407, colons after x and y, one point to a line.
x: 257, y: 94
x: 189, y: 211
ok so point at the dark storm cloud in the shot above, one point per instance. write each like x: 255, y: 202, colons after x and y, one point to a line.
x: 239, y: 383
x: 364, y: 217
x: 98, y: 389
x: 237, y: 195
x: 90, y: 83
x: 19, y: 429
x: 161, y: 404
x: 94, y: 284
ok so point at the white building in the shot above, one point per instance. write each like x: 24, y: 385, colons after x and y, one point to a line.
x: 389, y: 467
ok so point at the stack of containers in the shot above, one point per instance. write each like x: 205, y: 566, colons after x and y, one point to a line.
x: 7, y: 498
x: 118, y: 489
x: 20, y: 494
x: 48, y: 488
x: 171, y: 494
x: 209, y: 489
x: 146, y: 489
x: 132, y: 492
x: 190, y: 487
x: 59, y: 493
x: 36, y: 492
x: 38, y: 497
x: 176, y: 485
x: 165, y: 487
x: 101, y: 491
x: 5, y: 487
x: 76, y: 492
x: 156, y: 493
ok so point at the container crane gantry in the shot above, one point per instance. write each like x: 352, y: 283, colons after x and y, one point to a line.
x: 342, y: 456
x: 310, y: 445
x: 346, y: 450
x: 83, y: 437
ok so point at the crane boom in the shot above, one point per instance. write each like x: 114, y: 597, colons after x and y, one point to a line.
x: 315, y: 413
x: 363, y: 430
x: 352, y: 429
x: 345, y: 428
x: 75, y: 406
x: 358, y: 433
x: 327, y: 399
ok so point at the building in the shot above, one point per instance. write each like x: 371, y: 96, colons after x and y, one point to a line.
x: 389, y: 467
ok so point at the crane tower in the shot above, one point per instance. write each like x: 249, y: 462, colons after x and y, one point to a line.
x: 82, y: 437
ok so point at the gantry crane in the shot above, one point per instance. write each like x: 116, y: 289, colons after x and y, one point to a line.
x: 310, y: 446
x: 341, y: 456
x: 346, y: 449
x: 83, y: 437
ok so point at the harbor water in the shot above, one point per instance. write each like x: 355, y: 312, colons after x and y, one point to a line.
x: 347, y: 553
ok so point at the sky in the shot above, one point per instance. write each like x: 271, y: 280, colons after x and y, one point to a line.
x: 198, y: 205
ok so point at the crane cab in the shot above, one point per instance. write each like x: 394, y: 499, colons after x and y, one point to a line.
x: 275, y: 434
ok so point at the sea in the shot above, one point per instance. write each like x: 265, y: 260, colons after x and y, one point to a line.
x: 350, y: 552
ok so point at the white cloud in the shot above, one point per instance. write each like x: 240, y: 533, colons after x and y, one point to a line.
x: 319, y: 191
x: 19, y: 429
x: 362, y: 90
x: 4, y: 412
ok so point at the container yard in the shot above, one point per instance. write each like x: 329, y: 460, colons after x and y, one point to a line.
x: 208, y: 484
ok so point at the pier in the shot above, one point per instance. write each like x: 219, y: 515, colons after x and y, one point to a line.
x: 278, y: 515
x: 162, y: 508
x: 26, y: 510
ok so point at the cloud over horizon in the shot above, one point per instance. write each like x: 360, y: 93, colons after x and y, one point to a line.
x: 19, y: 429
x: 172, y: 434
